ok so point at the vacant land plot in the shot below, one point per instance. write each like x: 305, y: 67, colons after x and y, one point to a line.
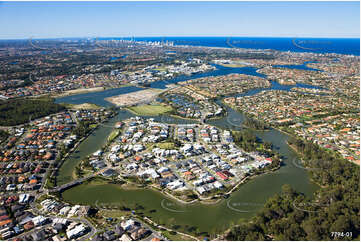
x: 82, y: 106
x: 235, y: 65
x: 133, y: 98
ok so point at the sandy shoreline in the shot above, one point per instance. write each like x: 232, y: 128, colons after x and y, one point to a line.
x: 78, y: 91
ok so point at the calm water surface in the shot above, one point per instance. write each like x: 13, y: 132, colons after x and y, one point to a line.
x: 98, y: 97
x: 242, y: 204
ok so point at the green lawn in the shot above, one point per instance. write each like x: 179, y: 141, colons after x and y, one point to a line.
x: 176, y: 237
x: 166, y: 145
x: 113, y: 135
x: 160, y: 69
x: 114, y: 213
x: 150, y: 109
x: 92, y: 126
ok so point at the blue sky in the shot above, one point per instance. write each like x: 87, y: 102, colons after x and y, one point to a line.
x: 111, y: 19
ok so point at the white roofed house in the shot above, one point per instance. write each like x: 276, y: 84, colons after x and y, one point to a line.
x: 113, y: 157
x: 98, y: 153
x: 138, y: 134
x: 138, y: 147
x: 125, y: 237
x: 207, y: 139
x: 198, y: 147
x: 157, y: 151
x: 73, y: 211
x: 64, y: 210
x: 98, y: 164
x: 214, y: 131
x: 186, y: 148
x: 24, y: 198
x: 132, y: 166
x: 149, y: 173
x: 198, y: 183
x: 115, y: 149
x: 201, y: 190
x: 163, y: 169
x: 164, y: 134
x: 214, y: 137
x: 175, y: 184
x: 76, y: 232
x: 128, y: 224
x: 40, y: 220
x: 217, y: 184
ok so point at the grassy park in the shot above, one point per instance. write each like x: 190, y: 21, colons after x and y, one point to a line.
x: 166, y: 145
x: 113, y: 135
x: 147, y: 109
x: 160, y: 69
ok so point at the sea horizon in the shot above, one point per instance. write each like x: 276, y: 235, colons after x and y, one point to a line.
x: 337, y: 45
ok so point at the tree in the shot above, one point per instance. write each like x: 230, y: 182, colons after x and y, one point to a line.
x: 22, y: 110
x: 335, y: 207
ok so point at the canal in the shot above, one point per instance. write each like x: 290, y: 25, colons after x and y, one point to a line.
x: 241, y: 205
x: 99, y: 97
x: 97, y: 139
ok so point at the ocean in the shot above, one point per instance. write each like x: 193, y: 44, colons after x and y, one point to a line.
x: 347, y: 46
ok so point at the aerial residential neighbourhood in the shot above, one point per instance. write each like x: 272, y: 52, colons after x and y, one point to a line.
x: 172, y: 129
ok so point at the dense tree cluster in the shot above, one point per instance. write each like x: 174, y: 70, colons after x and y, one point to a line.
x: 292, y: 216
x: 82, y: 128
x: 249, y: 142
x: 3, y: 135
x: 25, y: 83
x: 19, y: 111
x: 254, y: 124
x: 246, y: 140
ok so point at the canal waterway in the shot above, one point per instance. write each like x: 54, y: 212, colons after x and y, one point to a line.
x: 98, y: 139
x: 99, y: 97
x: 241, y: 205
x: 300, y: 67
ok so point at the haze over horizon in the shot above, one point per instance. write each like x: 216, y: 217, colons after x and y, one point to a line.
x: 170, y: 36
x: 179, y: 19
